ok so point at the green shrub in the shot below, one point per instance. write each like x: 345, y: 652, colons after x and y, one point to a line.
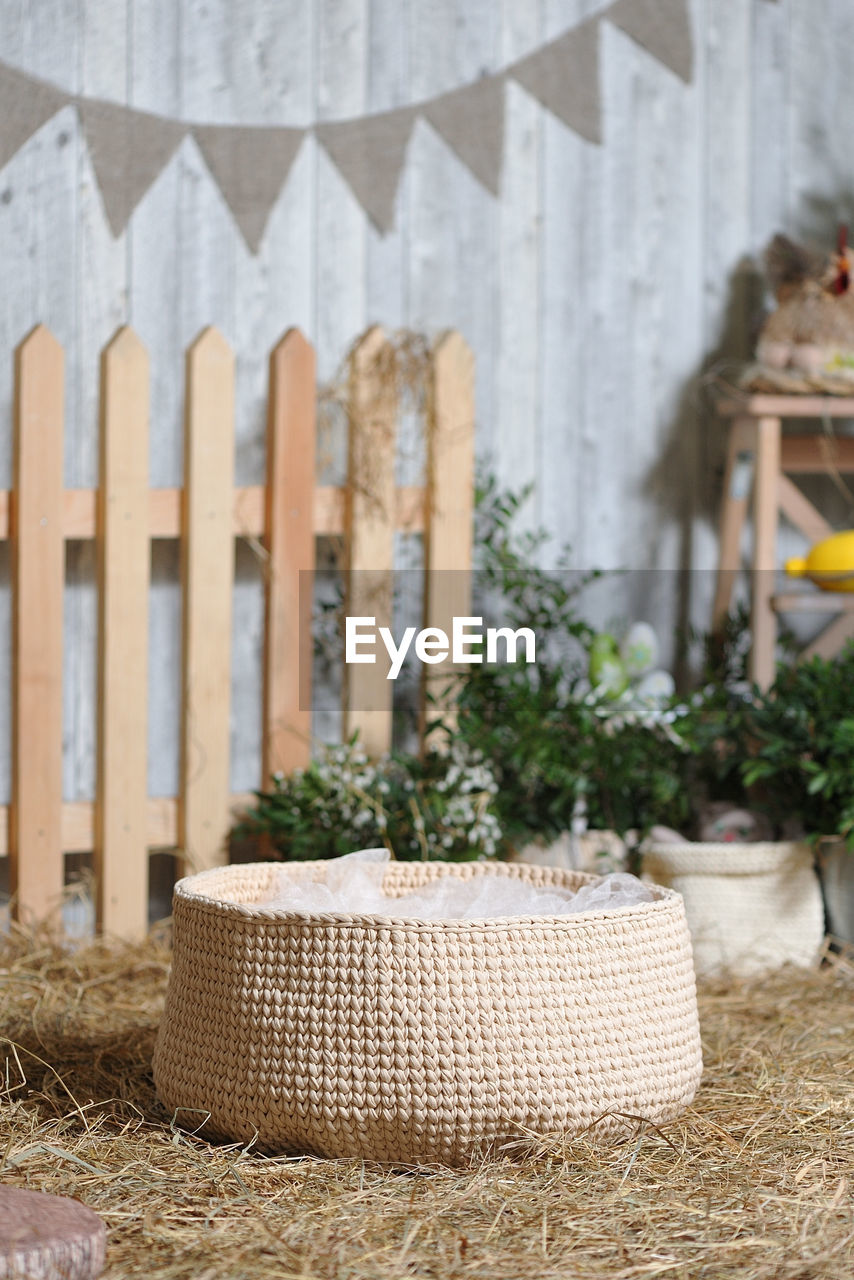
x: 441, y: 806
x: 801, y: 745
x: 554, y: 745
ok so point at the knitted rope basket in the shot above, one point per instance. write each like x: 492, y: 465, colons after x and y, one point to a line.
x: 416, y: 1042
x: 750, y: 907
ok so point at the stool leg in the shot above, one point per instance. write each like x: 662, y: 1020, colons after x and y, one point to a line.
x: 765, y: 519
x: 733, y: 512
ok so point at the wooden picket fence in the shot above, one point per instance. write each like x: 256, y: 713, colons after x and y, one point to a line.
x: 123, y: 514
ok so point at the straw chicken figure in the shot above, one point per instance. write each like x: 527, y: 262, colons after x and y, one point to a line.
x: 812, y: 329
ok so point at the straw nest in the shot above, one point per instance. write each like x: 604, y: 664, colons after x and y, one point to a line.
x: 764, y: 380
x: 754, y: 1181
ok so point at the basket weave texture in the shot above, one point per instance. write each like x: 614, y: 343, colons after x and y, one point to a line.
x: 410, y: 1041
x: 751, y: 907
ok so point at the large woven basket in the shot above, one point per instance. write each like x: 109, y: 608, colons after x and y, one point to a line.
x: 409, y: 1041
x: 751, y: 907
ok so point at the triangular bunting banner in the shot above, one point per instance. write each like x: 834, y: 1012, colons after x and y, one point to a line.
x: 25, y: 105
x: 564, y: 76
x: 250, y: 166
x: 662, y: 27
x: 128, y: 149
x: 369, y: 154
x: 471, y: 121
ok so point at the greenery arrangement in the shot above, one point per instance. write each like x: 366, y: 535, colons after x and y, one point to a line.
x: 629, y: 762
x: 534, y: 746
x: 800, y: 746
x: 438, y: 806
x: 558, y: 746
x: 787, y: 751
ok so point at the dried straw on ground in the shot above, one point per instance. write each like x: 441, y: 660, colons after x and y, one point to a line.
x: 755, y: 1181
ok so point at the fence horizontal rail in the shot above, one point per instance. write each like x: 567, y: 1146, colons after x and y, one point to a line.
x: 77, y: 822
x: 79, y: 511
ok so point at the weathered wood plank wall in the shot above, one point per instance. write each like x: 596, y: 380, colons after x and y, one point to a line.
x: 593, y: 291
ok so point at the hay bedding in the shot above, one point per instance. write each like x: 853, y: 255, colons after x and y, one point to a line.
x: 755, y: 1181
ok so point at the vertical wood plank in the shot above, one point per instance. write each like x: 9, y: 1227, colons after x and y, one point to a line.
x: 466, y: 43
x: 387, y: 78
x: 727, y: 75
x: 162, y: 246
x: 338, y: 65
x: 159, y: 256
x: 38, y: 553
x: 448, y: 529
x: 207, y: 578
x: 776, y: 49
x: 40, y: 265
x: 370, y: 518
x: 124, y: 556
x: 98, y: 304
x: 763, y: 620
x: 576, y: 216
x: 291, y: 449
x: 270, y: 81
x: 518, y: 246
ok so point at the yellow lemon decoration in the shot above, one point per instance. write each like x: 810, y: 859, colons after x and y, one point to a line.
x: 830, y: 563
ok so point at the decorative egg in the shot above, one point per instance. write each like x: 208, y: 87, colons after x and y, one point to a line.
x: 776, y: 355
x: 607, y: 671
x: 639, y: 650
x: 809, y: 357
x: 656, y: 686
x: 830, y: 563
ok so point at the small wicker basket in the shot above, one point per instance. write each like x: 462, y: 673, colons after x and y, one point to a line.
x: 410, y: 1041
x: 751, y: 908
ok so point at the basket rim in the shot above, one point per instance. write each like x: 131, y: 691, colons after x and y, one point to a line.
x: 667, y: 900
x: 728, y: 861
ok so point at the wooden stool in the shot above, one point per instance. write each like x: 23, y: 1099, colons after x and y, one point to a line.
x: 759, y: 450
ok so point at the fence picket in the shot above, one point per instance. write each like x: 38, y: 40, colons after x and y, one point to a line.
x: 38, y: 566
x: 124, y: 555
x: 208, y: 577
x: 289, y: 535
x: 371, y: 501
x: 449, y: 530
x: 124, y: 514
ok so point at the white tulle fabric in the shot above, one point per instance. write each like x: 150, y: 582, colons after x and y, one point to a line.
x: 353, y: 886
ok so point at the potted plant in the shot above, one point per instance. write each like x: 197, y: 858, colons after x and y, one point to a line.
x: 802, y: 762
x: 747, y: 876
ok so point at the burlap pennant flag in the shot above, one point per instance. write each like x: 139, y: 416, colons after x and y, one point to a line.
x: 25, y: 105
x: 128, y: 150
x: 662, y: 27
x: 369, y: 154
x: 471, y: 121
x: 564, y: 76
x: 250, y: 165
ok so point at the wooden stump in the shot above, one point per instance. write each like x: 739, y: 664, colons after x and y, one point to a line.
x: 46, y: 1237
